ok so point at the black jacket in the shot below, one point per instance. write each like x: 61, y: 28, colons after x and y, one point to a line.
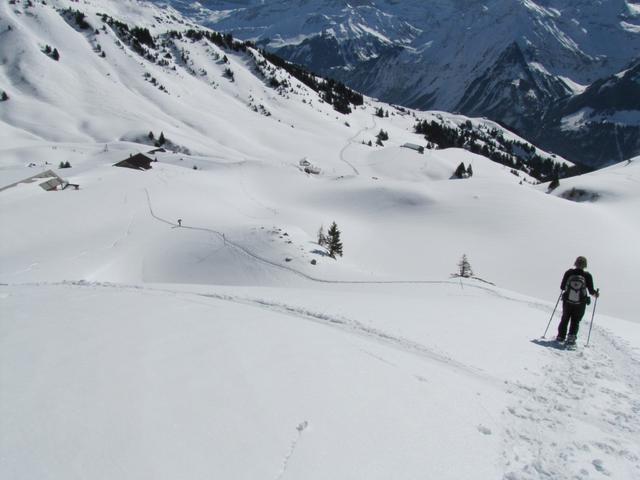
x: 578, y: 271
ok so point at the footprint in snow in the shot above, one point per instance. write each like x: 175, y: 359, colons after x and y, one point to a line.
x: 600, y: 467
x: 484, y: 430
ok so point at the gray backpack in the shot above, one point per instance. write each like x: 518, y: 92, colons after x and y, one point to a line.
x: 576, y: 290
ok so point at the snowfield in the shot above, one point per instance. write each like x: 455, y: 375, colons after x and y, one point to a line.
x: 229, y: 344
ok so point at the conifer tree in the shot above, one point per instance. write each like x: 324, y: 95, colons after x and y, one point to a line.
x: 151, y: 136
x: 469, y: 171
x: 161, y: 139
x: 4, y: 97
x: 464, y: 267
x: 461, y: 171
x: 333, y: 241
x: 322, y: 238
x: 55, y: 55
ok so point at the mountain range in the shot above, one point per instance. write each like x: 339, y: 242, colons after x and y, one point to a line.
x: 530, y: 65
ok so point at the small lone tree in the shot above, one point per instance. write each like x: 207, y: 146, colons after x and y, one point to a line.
x: 4, y: 97
x: 151, y: 136
x: 161, y: 139
x: 55, y: 54
x: 333, y: 241
x: 469, y: 171
x: 322, y: 238
x: 464, y: 267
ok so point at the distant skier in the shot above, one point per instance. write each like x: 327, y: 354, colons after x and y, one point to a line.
x: 575, y: 284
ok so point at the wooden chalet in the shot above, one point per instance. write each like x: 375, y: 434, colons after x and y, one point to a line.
x: 138, y: 161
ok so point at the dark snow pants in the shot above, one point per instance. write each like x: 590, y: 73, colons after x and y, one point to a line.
x: 573, y: 313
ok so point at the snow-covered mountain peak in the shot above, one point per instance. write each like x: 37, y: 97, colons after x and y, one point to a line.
x: 435, y: 54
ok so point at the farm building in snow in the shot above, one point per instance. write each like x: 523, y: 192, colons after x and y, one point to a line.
x: 413, y: 146
x: 136, y: 162
x: 52, y: 181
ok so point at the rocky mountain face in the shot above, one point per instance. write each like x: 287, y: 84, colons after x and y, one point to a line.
x: 514, y: 62
x: 598, y: 126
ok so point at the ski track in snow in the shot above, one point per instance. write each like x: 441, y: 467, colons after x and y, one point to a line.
x: 593, y: 391
x: 358, y: 328
x: 345, y: 324
x: 125, y: 234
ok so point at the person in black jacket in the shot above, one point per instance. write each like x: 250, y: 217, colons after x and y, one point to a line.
x: 576, y: 285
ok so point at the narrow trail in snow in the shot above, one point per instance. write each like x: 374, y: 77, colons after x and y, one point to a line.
x: 259, y: 258
x: 580, y: 421
x: 294, y: 444
x: 544, y: 306
x: 350, y: 142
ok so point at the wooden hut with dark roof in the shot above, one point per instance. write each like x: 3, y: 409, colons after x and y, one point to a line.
x: 138, y: 161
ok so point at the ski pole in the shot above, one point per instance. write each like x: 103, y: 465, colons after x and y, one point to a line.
x: 552, y: 314
x: 592, y: 315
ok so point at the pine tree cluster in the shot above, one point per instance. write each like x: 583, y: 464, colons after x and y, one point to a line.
x: 493, y: 145
x: 160, y: 141
x: 51, y: 52
x: 331, y: 240
x: 332, y: 91
x: 462, y: 171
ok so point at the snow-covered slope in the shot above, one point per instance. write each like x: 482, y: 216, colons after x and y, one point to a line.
x: 231, y: 345
x: 581, y: 40
x: 510, y: 61
x: 103, y: 380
